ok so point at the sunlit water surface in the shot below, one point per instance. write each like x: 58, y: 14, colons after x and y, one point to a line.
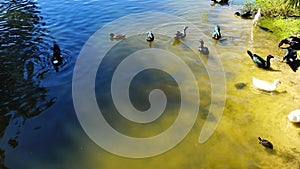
x: 55, y: 139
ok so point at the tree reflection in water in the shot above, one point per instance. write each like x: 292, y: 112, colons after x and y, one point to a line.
x: 24, y: 52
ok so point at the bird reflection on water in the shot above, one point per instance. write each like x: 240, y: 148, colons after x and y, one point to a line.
x: 23, y: 53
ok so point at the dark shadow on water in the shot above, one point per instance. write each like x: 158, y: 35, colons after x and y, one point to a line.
x: 24, y: 55
x: 296, y: 125
x: 273, y: 70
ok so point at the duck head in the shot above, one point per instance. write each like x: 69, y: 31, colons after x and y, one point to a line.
x: 284, y: 41
x: 201, y: 42
x: 270, y: 57
x: 237, y: 14
x: 276, y: 82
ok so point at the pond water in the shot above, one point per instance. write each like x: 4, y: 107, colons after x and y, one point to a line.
x: 39, y: 125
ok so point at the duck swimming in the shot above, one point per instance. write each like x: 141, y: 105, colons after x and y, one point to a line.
x: 217, y: 33
x: 150, y: 37
x: 265, y: 86
x: 265, y: 143
x: 244, y: 15
x: 117, y: 36
x: 293, y: 41
x: 202, y: 49
x: 181, y: 35
x: 260, y: 62
x: 219, y: 1
x: 56, y: 58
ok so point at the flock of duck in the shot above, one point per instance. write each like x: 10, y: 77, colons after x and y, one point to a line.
x: 290, y: 57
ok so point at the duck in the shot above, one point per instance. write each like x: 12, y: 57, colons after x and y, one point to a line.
x: 294, y: 116
x: 245, y: 15
x: 150, y: 37
x: 293, y: 41
x: 260, y: 62
x: 117, y: 36
x: 290, y: 55
x: 265, y: 143
x: 202, y: 49
x: 56, y: 57
x: 265, y: 86
x: 219, y: 1
x: 181, y: 35
x: 216, y: 33
x: 257, y: 17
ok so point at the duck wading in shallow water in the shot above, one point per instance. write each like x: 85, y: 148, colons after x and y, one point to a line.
x: 260, y: 62
x: 290, y: 55
x: 117, y: 36
x: 265, y: 143
x: 265, y: 86
x: 216, y: 33
x: 293, y: 41
x: 202, y: 49
x: 56, y: 59
x: 294, y: 116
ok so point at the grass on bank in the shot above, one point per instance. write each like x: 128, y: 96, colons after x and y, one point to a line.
x: 281, y: 17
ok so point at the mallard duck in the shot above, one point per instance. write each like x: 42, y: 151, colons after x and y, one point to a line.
x: 294, y: 116
x: 265, y: 143
x: 217, y: 33
x: 117, y: 36
x: 257, y: 17
x: 56, y: 58
x: 260, y: 62
x: 290, y: 55
x: 181, y: 35
x: 202, y: 49
x: 150, y: 37
x: 265, y: 86
x: 293, y: 41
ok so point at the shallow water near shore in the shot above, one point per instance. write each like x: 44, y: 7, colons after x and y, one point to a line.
x: 55, y: 139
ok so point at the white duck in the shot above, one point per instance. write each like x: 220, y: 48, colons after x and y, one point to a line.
x: 294, y: 116
x: 181, y: 35
x: 263, y: 85
x: 256, y: 17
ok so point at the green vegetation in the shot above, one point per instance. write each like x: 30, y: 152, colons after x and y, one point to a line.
x: 279, y: 8
x: 282, y: 27
x: 280, y: 16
